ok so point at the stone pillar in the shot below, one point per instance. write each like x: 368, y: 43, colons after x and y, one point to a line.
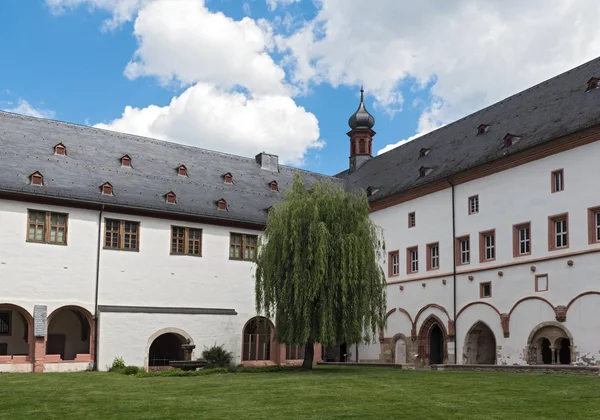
x: 39, y: 353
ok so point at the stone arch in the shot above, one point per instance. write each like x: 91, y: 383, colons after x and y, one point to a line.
x: 172, y: 337
x: 580, y: 296
x: 401, y: 349
x: 549, y: 337
x: 480, y: 345
x: 64, y: 342
x: 517, y: 303
x: 258, y: 341
x: 19, y: 349
x: 432, y: 341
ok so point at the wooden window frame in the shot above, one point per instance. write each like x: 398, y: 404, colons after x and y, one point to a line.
x: 430, y: 247
x: 274, y: 186
x: 552, y: 231
x: 36, y: 178
x: 62, y: 148
x: 107, y: 189
x: 482, y: 288
x: 517, y: 239
x: 126, y: 161
x: 412, y: 222
x: 228, y: 178
x: 537, y: 286
x: 182, y: 170
x: 171, y: 198
x: 121, y: 235
x: 222, y: 204
x: 553, y: 180
x: 9, y: 333
x: 186, y: 241
x: 244, y: 237
x: 458, y: 256
x: 410, y: 269
x: 594, y: 225
x: 391, y: 256
x: 473, y: 197
x: 483, y: 246
x: 47, y: 227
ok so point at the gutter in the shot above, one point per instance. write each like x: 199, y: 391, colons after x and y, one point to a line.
x: 96, y: 313
x: 453, y: 268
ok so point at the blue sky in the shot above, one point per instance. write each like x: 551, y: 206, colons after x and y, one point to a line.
x: 300, y: 62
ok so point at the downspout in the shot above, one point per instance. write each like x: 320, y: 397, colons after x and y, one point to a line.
x: 454, y: 269
x: 96, y: 314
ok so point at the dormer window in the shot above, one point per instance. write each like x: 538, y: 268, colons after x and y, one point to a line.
x: 60, y: 149
x: 106, y: 188
x: 423, y: 152
x: 228, y: 178
x: 483, y: 128
x: 593, y: 83
x: 222, y: 204
x: 181, y: 170
x: 274, y: 186
x: 424, y: 171
x: 171, y: 197
x: 511, y: 139
x: 126, y: 160
x: 36, y: 178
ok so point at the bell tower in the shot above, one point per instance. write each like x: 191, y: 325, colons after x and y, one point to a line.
x: 361, y: 135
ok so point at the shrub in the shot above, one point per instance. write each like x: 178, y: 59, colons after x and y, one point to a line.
x: 217, y: 356
x: 131, y: 370
x: 117, y: 364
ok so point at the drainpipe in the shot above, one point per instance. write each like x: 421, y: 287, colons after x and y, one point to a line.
x: 96, y: 314
x: 454, y: 269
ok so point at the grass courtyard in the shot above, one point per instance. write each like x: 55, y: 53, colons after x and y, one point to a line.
x: 325, y: 393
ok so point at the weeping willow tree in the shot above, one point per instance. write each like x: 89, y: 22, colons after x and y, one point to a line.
x: 317, y: 268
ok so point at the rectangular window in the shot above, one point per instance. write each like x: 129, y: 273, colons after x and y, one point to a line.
x: 558, y: 180
x: 522, y: 239
x: 463, y: 250
x: 186, y: 241
x: 294, y: 351
x: 394, y: 264
x: 487, y: 246
x: 594, y: 225
x: 242, y: 246
x: 541, y: 283
x: 121, y: 234
x: 412, y: 219
x: 412, y: 260
x: 558, y: 232
x: 485, y: 290
x: 47, y: 227
x: 474, y: 204
x: 433, y: 256
x: 5, y: 327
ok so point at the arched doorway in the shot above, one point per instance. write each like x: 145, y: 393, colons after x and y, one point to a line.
x: 16, y: 334
x: 546, y: 351
x: 563, y: 350
x: 70, y: 335
x: 258, y: 343
x: 436, y: 346
x: 550, y: 343
x: 165, y: 348
x: 400, y: 351
x: 480, y: 345
x: 432, y: 341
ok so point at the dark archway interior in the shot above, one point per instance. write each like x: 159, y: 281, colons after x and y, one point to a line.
x: 68, y: 334
x: 480, y: 345
x: 546, y: 352
x: 257, y: 340
x: 165, y: 348
x: 436, y: 345
x: 564, y: 353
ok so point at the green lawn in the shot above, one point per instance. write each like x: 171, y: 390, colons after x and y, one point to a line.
x: 325, y: 393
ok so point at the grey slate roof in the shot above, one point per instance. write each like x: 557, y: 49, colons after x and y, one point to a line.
x: 93, y: 158
x: 544, y: 112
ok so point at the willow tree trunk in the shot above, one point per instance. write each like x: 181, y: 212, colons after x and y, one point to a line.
x: 309, y: 355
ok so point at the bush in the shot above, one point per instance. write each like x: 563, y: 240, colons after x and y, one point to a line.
x: 131, y: 370
x: 117, y: 364
x: 217, y: 357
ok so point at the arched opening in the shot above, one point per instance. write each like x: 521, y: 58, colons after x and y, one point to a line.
x: 432, y: 341
x: 550, y: 343
x: 436, y: 345
x: 563, y: 348
x: 165, y: 348
x: 70, y: 334
x: 480, y: 345
x: 400, y: 351
x: 361, y: 146
x: 258, y: 340
x: 16, y: 334
x: 546, y: 351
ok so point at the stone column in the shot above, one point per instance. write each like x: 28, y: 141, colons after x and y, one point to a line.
x: 39, y: 353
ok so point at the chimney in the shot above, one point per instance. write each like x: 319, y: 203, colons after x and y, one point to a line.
x: 268, y: 162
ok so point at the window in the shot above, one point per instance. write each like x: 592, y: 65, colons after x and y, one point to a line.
x: 522, y: 239
x: 36, y: 178
x: 412, y: 260
x: 107, y: 189
x: 47, y: 227
x: 126, y: 160
x: 5, y: 326
x: 511, y: 139
x: 228, y: 178
x: 294, y: 351
x: 485, y: 290
x: 541, y: 283
x: 474, y: 204
x: 171, y: 197
x: 242, y: 247
x: 121, y: 234
x: 361, y: 146
x: 593, y: 83
x: 558, y: 180
x: 274, y: 186
x: 463, y: 250
x: 186, y: 241
x: 181, y: 170
x: 594, y: 225
x: 394, y: 264
x: 558, y: 232
x: 60, y: 149
x: 482, y: 128
x: 412, y: 219
x: 424, y: 171
x: 423, y: 152
x: 487, y: 246
x: 222, y: 204
x: 433, y: 256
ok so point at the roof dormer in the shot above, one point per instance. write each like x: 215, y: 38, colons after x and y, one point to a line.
x: 181, y: 170
x: 106, y: 189
x: 273, y: 185
x: 423, y: 152
x: 593, y: 83
x: 222, y: 204
x: 483, y: 128
x: 228, y: 178
x: 511, y: 139
x: 171, y: 198
x: 424, y: 171
x: 60, y: 149
x: 125, y: 160
x: 36, y: 178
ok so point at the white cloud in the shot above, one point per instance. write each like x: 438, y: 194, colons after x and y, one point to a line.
x: 272, y: 4
x: 24, y: 108
x: 473, y: 53
x: 122, y: 10
x: 227, y: 121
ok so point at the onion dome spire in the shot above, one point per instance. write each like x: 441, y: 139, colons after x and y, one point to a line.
x: 361, y: 118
